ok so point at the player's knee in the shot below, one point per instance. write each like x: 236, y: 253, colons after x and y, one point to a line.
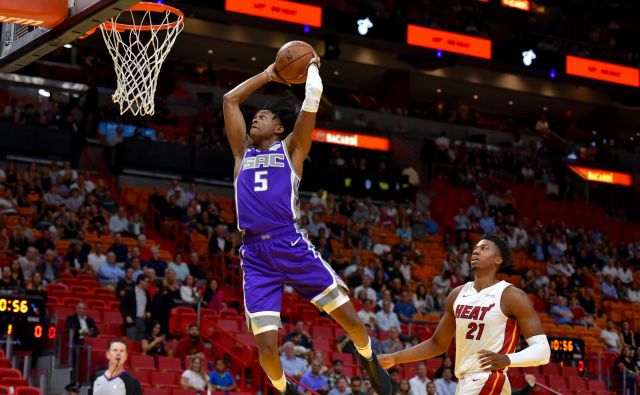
x: 268, y: 350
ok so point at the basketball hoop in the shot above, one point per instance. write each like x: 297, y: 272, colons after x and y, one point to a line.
x: 138, y: 48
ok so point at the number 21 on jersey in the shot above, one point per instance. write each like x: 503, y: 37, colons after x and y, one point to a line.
x: 260, y: 181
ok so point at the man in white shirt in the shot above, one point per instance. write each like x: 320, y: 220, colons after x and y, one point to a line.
x: 381, y: 247
x: 97, y: 257
x: 119, y: 223
x: 366, y: 314
x: 610, y: 269
x: 610, y: 338
x: 419, y: 382
x: 625, y: 274
x: 446, y: 385
x: 387, y: 318
x: 366, y: 287
x: 29, y: 262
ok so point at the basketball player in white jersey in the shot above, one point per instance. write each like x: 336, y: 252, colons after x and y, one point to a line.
x: 485, y: 315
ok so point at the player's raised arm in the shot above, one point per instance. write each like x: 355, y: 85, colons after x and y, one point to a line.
x: 515, y: 303
x: 438, y: 344
x: 299, y: 141
x: 233, y: 119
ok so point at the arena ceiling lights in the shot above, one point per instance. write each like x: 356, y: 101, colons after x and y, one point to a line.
x: 287, y: 11
x: 524, y: 5
x: 609, y: 72
x: 447, y: 41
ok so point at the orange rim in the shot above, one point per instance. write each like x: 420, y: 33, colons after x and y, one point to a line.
x: 151, y: 7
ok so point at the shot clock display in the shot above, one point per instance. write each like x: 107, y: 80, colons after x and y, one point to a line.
x: 24, y: 319
x: 569, y: 351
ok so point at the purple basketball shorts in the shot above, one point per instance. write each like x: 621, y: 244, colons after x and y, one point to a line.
x: 285, y: 256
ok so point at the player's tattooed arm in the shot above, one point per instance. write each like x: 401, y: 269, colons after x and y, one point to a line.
x: 436, y: 345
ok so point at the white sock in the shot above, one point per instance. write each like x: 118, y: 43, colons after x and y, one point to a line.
x: 280, y: 384
x: 366, y: 351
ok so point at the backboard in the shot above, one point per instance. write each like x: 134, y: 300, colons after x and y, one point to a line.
x: 40, y: 33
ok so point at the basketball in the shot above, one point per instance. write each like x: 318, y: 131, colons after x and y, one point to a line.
x: 292, y: 61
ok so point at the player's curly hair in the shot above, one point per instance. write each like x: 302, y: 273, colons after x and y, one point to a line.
x: 502, y: 245
x: 285, y: 112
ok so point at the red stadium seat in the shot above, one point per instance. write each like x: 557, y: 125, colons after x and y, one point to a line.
x: 10, y: 372
x: 164, y: 379
x: 142, y: 362
x: 14, y: 382
x: 579, y: 384
x: 346, y: 358
x: 156, y: 391
x: 143, y: 376
x: 27, y: 391
x: 557, y: 382
x: 570, y: 371
x: 322, y: 331
x: 169, y: 364
x: 184, y: 392
x: 4, y: 390
x: 551, y: 369
x: 597, y: 386
x: 229, y: 326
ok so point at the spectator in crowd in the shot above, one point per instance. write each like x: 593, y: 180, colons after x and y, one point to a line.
x: 49, y: 266
x: 8, y: 285
x: 419, y: 382
x: 155, y: 343
x: 213, y: 296
x: 404, y: 307
x: 432, y: 226
x: 180, y: 267
x: 189, y: 293
x: 627, y: 337
x: 404, y: 388
x: 145, y: 250
x: 45, y: 242
x: 135, y: 309
x: 119, y: 223
x: 341, y: 387
x: 487, y: 223
x: 386, y: 318
x: 195, y: 376
x: 191, y: 345
x: 29, y: 262
x: 109, y: 273
x: 157, y: 264
x: 136, y: 267
x: 610, y: 338
x: 367, y: 314
x: 356, y: 386
x: 136, y: 225
x: 446, y: 385
x: 609, y: 290
x: 291, y: 363
x: 119, y: 249
x: 431, y: 388
x: 561, y: 313
x: 336, y: 373
x: 97, y: 257
x: 195, y: 268
x: 81, y: 325
x: 392, y: 343
x: 370, y: 293
x: 314, y: 380
x: 220, y: 379
x: 305, y: 337
x: 73, y: 389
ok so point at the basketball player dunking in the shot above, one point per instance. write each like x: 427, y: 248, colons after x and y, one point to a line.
x: 484, y: 315
x: 275, y: 251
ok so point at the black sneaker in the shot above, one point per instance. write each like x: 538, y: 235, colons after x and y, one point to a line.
x: 292, y: 388
x: 380, y: 380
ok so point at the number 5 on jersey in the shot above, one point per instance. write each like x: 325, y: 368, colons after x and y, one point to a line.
x: 261, y: 182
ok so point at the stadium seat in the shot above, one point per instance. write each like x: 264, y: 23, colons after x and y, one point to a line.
x: 143, y: 376
x: 164, y: 379
x: 27, y: 391
x: 10, y: 372
x: 155, y: 391
x: 142, y: 362
x: 4, y: 390
x: 557, y: 382
x: 578, y: 384
x: 170, y: 364
x: 551, y: 369
x: 597, y: 386
x: 322, y: 332
x: 570, y: 371
x: 183, y: 392
x: 14, y: 382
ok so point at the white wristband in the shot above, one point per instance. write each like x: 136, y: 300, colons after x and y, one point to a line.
x: 313, y: 90
x: 538, y: 353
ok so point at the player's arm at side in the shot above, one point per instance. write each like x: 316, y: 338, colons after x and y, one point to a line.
x: 234, y: 122
x: 299, y: 141
x: 438, y: 344
x: 515, y: 303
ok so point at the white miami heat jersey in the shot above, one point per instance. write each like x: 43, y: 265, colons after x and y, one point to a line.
x: 481, y: 325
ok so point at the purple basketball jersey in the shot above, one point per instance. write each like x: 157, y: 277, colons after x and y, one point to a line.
x: 266, y: 190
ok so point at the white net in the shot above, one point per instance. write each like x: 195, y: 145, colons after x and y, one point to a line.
x: 138, y: 52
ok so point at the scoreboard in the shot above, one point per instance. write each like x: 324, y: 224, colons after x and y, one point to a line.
x: 24, y: 319
x: 568, y: 351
